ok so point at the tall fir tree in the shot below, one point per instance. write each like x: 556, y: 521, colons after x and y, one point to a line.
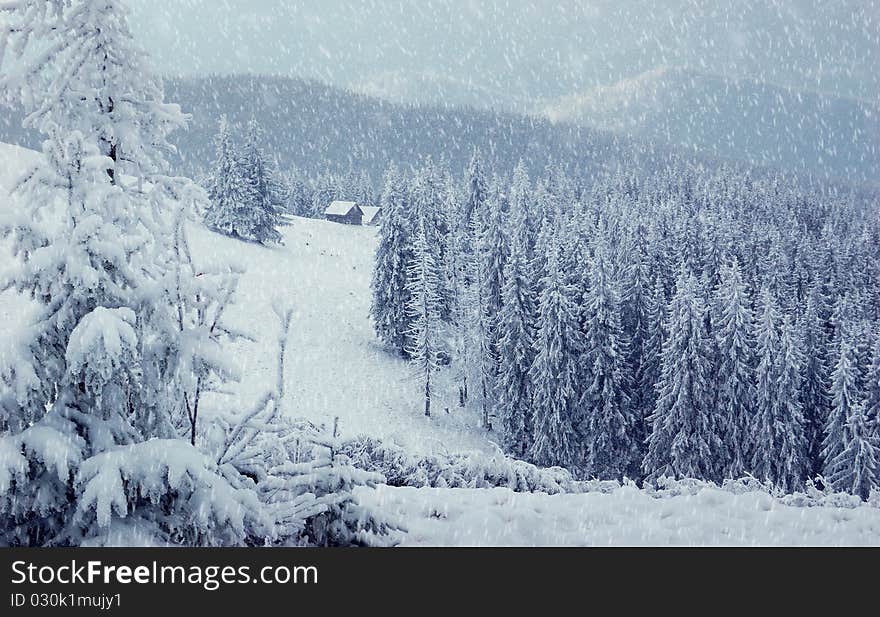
x: 394, y: 253
x: 555, y: 372
x: 650, y: 367
x: 112, y: 356
x: 516, y: 343
x: 779, y: 444
x: 856, y: 468
x: 845, y: 406
x: 735, y: 341
x: 227, y: 208
x: 609, y: 426
x: 685, y: 441
x: 265, y: 193
x: 815, y: 381
x: 425, y: 336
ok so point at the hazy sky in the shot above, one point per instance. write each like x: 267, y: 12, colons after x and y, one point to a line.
x: 525, y: 49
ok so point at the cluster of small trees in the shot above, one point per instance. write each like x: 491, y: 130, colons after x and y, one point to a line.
x: 103, y: 438
x: 693, y: 324
x: 247, y: 194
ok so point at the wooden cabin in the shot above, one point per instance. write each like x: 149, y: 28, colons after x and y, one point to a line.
x: 346, y: 212
x: 372, y: 215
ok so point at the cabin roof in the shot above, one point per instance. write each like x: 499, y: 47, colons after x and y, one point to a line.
x: 370, y: 213
x: 341, y: 208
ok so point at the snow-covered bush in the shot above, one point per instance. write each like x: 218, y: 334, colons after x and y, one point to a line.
x: 171, y: 487
x: 300, y: 472
x: 468, y: 470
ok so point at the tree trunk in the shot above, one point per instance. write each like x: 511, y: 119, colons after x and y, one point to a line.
x: 428, y: 393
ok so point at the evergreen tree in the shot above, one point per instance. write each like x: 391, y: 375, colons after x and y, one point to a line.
x: 480, y: 334
x: 494, y: 250
x: 265, y: 194
x: 856, y: 468
x: 609, y: 427
x: 815, y: 382
x: 780, y: 448
x: 735, y: 402
x: 872, y: 388
x: 112, y: 355
x: 476, y: 193
x: 684, y: 440
x: 425, y: 332
x: 845, y: 399
x: 516, y: 343
x: 650, y: 367
x: 393, y: 256
x: 227, y: 210
x: 555, y: 372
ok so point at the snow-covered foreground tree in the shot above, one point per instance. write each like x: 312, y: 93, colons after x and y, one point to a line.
x: 100, y: 426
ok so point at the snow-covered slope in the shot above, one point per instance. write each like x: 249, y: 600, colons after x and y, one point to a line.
x: 336, y: 369
x: 336, y: 366
x: 628, y: 516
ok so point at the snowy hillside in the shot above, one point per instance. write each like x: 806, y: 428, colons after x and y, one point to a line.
x: 337, y: 369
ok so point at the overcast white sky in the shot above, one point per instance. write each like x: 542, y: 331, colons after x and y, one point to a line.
x: 526, y: 48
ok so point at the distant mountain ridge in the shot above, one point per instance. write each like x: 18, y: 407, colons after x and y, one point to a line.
x: 663, y: 118
x: 741, y: 119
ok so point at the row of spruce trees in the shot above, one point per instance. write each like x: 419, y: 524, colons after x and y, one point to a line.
x: 697, y: 323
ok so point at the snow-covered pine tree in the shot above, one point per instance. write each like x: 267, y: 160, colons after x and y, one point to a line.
x: 425, y: 334
x: 82, y: 80
x: 265, y: 193
x: 735, y: 340
x: 856, y: 468
x: 299, y: 201
x: 649, y: 370
x: 479, y: 334
x: 103, y: 376
x: 516, y: 342
x: 476, y: 193
x: 635, y: 289
x: 427, y: 200
x: 457, y: 274
x: 327, y: 189
x: 555, y: 372
x: 845, y: 404
x: 228, y: 210
x: 684, y: 440
x: 393, y: 255
x: 815, y: 381
x: 779, y: 447
x: 493, y: 250
x: 872, y: 389
x: 608, y: 429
